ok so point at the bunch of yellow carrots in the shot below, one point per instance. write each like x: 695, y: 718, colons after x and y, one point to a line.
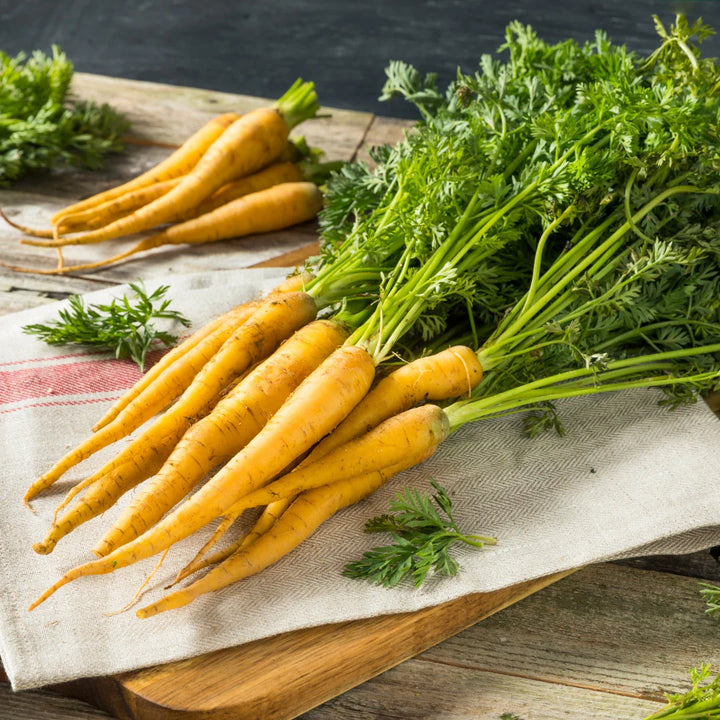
x: 203, y: 192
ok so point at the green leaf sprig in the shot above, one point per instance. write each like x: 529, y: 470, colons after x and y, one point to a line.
x: 423, y: 530
x: 41, y: 127
x: 710, y: 593
x: 701, y: 702
x: 124, y: 326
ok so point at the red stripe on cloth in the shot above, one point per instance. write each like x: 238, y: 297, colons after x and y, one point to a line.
x: 52, y: 403
x: 70, y: 378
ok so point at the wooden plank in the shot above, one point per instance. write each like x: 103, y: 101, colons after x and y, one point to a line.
x: 601, y: 643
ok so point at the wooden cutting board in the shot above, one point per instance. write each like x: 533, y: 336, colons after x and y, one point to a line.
x: 283, y: 676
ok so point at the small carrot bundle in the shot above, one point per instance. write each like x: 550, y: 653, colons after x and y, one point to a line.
x: 180, y: 162
x: 274, y: 208
x: 275, y: 320
x: 234, y: 421
x: 307, y: 512
x: 251, y: 142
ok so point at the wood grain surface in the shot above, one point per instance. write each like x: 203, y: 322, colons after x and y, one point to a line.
x: 600, y: 643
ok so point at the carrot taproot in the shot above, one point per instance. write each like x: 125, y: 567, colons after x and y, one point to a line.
x: 234, y: 421
x: 178, y: 163
x: 247, y: 145
x: 104, y: 493
x: 267, y: 518
x: 307, y: 512
x: 274, y: 320
x: 308, y: 415
x: 236, y: 315
x: 274, y: 208
x: 136, y: 463
x: 99, y: 215
x: 445, y: 375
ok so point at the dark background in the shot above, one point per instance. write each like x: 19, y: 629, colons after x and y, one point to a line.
x: 260, y: 47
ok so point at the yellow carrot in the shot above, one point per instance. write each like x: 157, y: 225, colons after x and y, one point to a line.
x: 99, y: 215
x: 274, y: 208
x: 234, y: 421
x: 180, y: 162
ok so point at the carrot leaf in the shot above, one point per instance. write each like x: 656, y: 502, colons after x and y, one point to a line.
x: 124, y: 325
x: 423, y: 530
x: 41, y: 127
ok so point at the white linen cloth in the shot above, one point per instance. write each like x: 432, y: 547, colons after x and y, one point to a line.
x: 628, y: 478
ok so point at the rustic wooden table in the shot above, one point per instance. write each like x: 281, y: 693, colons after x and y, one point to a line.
x: 601, y: 643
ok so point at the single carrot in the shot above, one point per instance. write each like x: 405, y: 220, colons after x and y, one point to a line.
x: 308, y: 415
x: 274, y: 208
x: 178, y: 163
x: 275, y: 320
x: 251, y: 142
x: 446, y: 375
x: 236, y: 315
x: 308, y: 511
x: 234, y: 421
